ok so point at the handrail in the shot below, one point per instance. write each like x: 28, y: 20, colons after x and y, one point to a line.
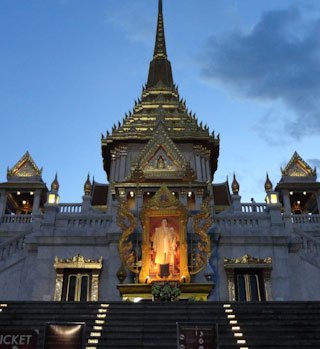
x: 253, y: 208
x: 305, y: 218
x: 16, y: 218
x: 70, y: 207
x: 12, y: 245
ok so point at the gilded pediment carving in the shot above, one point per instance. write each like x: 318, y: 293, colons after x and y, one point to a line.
x: 248, y: 260
x: 77, y: 261
x: 297, y: 167
x: 160, y: 157
x: 25, y: 167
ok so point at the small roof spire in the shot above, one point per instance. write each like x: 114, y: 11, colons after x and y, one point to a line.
x: 235, y: 185
x: 160, y: 45
x: 55, y: 184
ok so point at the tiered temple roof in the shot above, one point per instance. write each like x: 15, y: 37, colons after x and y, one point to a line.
x: 160, y: 102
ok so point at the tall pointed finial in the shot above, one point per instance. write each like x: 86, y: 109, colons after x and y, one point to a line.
x: 55, y: 184
x: 235, y: 185
x: 160, y: 72
x: 268, y: 184
x: 87, y: 186
x: 160, y: 45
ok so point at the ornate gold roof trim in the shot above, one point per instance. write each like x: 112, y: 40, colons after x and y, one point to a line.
x: 20, y: 169
x: 246, y: 261
x: 297, y: 167
x: 77, y: 262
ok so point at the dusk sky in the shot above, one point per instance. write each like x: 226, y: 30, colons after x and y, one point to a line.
x: 70, y: 69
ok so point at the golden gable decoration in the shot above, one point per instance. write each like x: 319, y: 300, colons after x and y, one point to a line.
x: 297, y: 167
x: 160, y: 157
x: 25, y: 167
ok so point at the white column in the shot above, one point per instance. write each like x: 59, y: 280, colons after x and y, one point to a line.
x: 36, y: 201
x: 198, y: 168
x: 208, y: 170
x: 3, y: 201
x: 122, y: 166
x: 286, y: 202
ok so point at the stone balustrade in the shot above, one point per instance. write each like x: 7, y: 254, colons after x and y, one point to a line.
x: 11, y: 246
x: 16, y: 219
x: 305, y: 218
x: 253, y: 208
x: 70, y: 208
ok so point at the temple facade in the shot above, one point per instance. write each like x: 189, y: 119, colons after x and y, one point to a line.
x: 160, y: 217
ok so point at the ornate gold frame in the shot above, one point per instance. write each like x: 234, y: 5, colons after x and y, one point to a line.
x: 164, y: 204
x: 78, y: 262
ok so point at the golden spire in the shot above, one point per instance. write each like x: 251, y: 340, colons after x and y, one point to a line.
x: 160, y: 72
x: 160, y: 45
x: 55, y: 184
x: 235, y: 185
x: 87, y: 186
x: 268, y: 184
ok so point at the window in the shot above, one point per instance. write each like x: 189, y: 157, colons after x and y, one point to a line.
x: 248, y: 278
x: 77, y: 287
x: 249, y: 285
x: 77, y: 279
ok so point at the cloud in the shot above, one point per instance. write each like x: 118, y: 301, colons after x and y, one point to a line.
x: 314, y: 162
x: 141, y: 30
x: 277, y: 60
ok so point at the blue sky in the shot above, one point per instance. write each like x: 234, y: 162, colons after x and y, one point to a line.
x: 69, y: 69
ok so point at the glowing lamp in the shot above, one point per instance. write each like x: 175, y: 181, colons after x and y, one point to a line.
x: 53, y: 199
x: 272, y: 198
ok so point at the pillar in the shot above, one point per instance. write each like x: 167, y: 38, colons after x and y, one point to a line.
x: 3, y: 202
x: 318, y: 200
x: 36, y: 201
x: 183, y: 197
x: 236, y: 203
x: 286, y: 202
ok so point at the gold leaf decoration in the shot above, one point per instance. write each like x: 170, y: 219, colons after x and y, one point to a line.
x: 202, y: 249
x: 127, y: 223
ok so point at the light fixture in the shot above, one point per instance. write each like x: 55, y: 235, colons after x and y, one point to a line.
x: 53, y: 199
x: 189, y: 194
x: 31, y: 193
x: 18, y: 192
x: 298, y: 202
x: 291, y: 192
x: 24, y: 202
x: 304, y: 193
x: 173, y: 193
x: 272, y: 198
x: 148, y: 193
x: 131, y: 194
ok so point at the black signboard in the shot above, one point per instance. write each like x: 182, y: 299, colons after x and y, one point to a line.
x: 197, y: 336
x: 68, y: 335
x: 18, y: 339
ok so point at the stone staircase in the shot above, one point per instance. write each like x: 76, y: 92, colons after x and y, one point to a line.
x: 147, y: 325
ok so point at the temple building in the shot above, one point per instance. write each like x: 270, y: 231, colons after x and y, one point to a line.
x: 159, y: 217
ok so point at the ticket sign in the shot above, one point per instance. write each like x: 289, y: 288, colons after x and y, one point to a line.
x: 18, y: 339
x: 64, y: 335
x: 197, y: 336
